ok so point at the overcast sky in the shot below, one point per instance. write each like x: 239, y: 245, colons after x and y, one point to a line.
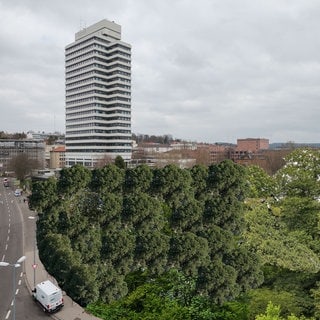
x: 205, y: 70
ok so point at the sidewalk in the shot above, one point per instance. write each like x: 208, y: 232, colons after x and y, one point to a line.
x: 35, y: 272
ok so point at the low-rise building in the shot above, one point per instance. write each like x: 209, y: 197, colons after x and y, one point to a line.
x: 57, y: 157
x: 10, y: 148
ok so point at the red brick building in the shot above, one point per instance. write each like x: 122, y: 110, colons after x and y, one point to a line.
x: 252, y: 144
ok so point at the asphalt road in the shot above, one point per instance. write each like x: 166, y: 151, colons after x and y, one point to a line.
x: 12, y: 228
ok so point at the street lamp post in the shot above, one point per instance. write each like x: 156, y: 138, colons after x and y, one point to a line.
x: 34, y: 250
x: 14, y: 266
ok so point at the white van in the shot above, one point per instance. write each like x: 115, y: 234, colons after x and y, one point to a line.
x: 49, y: 296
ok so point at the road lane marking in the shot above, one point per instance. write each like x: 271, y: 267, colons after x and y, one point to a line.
x: 17, y: 291
x: 8, y: 314
x: 3, y: 258
x: 19, y: 282
x: 6, y: 247
x: 8, y: 238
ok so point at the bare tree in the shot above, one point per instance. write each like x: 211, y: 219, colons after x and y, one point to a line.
x: 105, y: 160
x: 22, y: 165
x: 275, y: 159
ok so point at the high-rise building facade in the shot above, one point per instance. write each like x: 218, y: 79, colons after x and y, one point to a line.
x: 98, y: 96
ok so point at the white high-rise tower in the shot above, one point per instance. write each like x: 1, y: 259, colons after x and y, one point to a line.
x: 98, y: 95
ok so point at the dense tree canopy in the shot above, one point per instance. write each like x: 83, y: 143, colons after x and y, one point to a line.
x: 283, y: 229
x: 195, y: 243
x: 260, y: 184
x: 301, y: 174
x: 120, y: 221
x: 73, y: 179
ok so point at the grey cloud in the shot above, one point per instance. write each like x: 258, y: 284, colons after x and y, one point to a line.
x: 208, y: 70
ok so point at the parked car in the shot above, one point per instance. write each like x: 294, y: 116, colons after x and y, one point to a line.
x: 18, y: 192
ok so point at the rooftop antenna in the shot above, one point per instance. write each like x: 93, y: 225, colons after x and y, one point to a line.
x: 82, y: 24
